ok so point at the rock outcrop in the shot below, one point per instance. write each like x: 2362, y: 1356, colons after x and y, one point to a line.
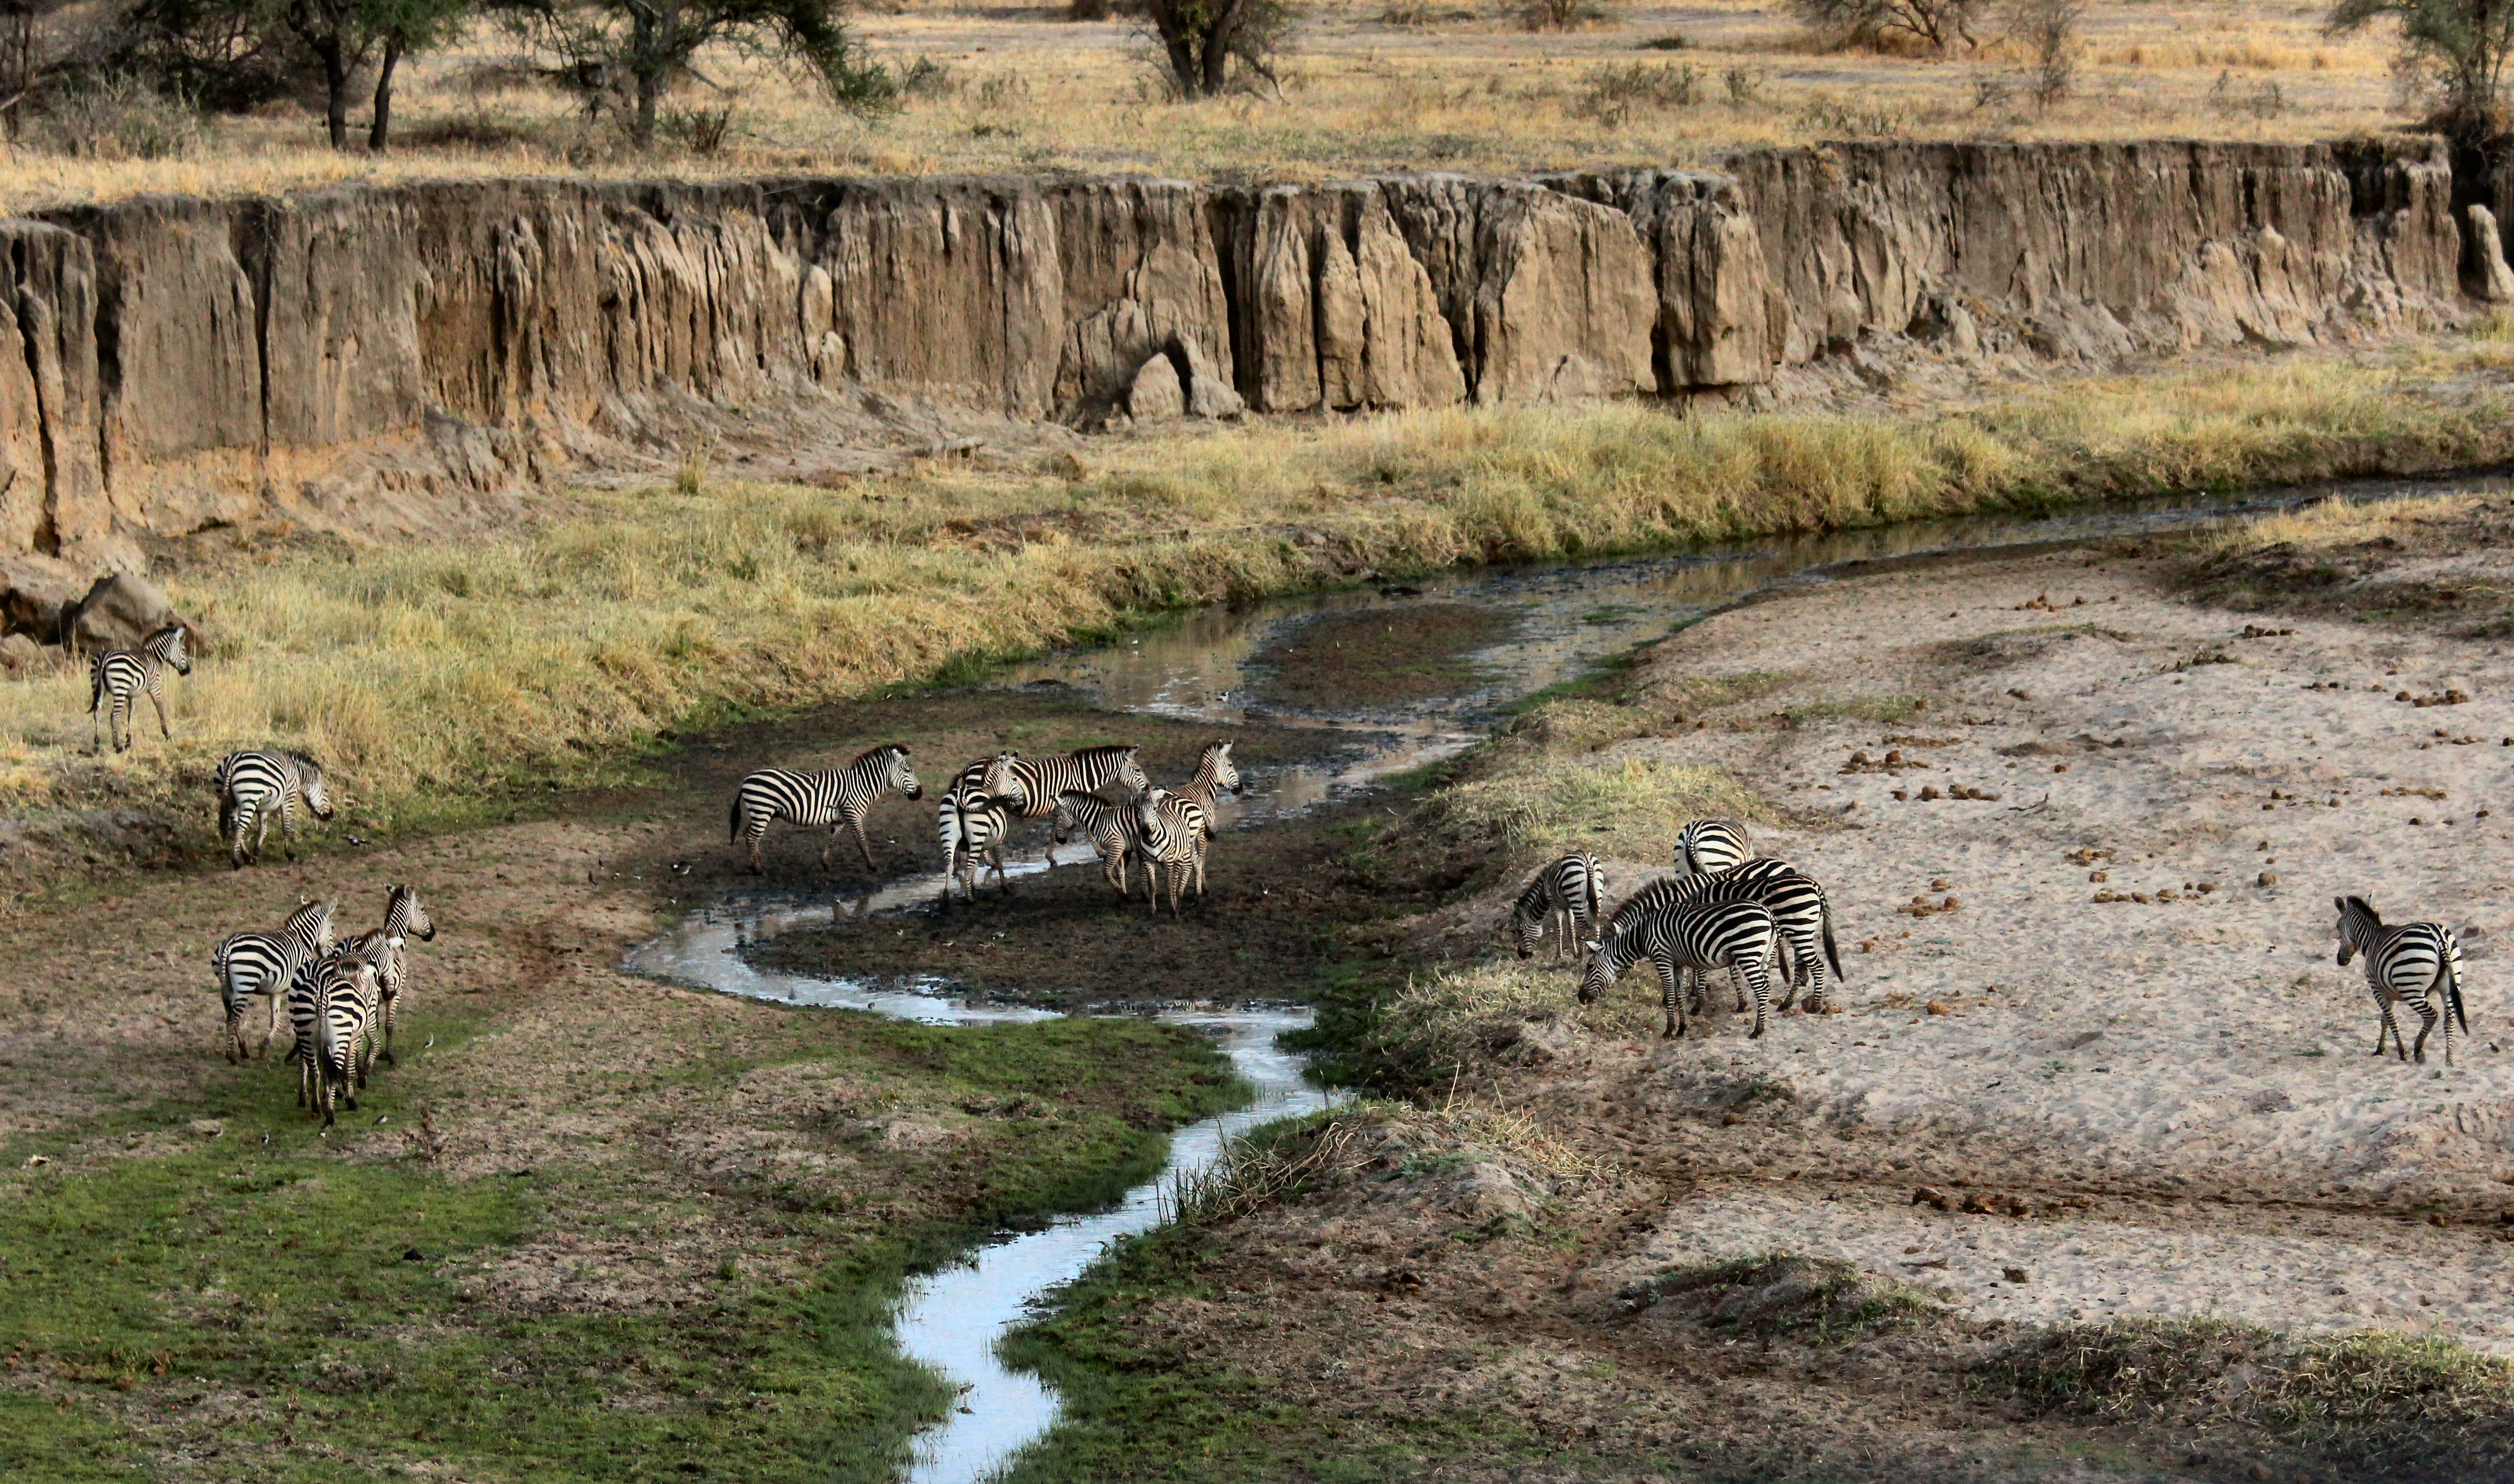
x: 378, y: 360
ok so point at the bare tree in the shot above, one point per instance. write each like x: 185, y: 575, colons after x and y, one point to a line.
x: 2050, y: 31
x: 2455, y: 50
x: 1933, y: 24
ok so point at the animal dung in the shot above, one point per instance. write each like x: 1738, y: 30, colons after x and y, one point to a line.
x: 1937, y: 1007
x: 2447, y: 698
x: 2256, y: 631
x: 2269, y: 878
x: 2019, y: 1274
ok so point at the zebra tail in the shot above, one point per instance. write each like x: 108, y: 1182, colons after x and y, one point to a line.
x: 2453, y: 988
x: 1832, y: 954
x: 733, y: 821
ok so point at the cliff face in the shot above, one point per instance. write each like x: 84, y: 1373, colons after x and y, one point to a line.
x: 356, y: 355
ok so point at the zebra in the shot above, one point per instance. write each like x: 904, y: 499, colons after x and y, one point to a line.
x: 839, y: 798
x: 249, y: 784
x: 1031, y: 785
x: 1707, y: 847
x: 980, y: 824
x: 1116, y: 835
x: 2409, y: 963
x: 248, y: 964
x: 386, y: 948
x: 333, y: 1005
x: 1171, y: 831
x: 1188, y: 812
x: 126, y: 675
x: 1739, y: 936
x: 1571, y: 895
x: 1796, y: 902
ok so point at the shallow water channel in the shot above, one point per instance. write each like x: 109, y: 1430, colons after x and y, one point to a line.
x: 1565, y: 620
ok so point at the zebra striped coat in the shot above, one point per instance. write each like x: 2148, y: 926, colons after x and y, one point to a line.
x: 387, y: 948
x: 248, y: 964
x: 981, y: 824
x: 2414, y: 963
x: 1569, y: 895
x: 1796, y: 902
x: 1188, y: 814
x: 251, y: 784
x: 1113, y: 829
x: 332, y: 1005
x: 124, y: 675
x: 840, y: 798
x: 1737, y: 936
x: 1029, y: 785
x: 1172, y: 842
x: 1707, y: 847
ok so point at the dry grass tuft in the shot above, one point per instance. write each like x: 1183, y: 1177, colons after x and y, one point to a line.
x: 1630, y: 809
x: 1816, y: 1300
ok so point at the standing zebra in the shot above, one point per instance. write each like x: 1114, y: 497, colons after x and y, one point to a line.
x: 980, y: 824
x: 1116, y: 835
x: 1569, y: 893
x: 248, y: 964
x: 839, y: 798
x: 2417, y: 963
x: 249, y: 783
x: 332, y: 1004
x: 1188, y: 814
x: 1029, y: 785
x: 126, y: 675
x: 1798, y: 904
x: 1737, y: 936
x: 1172, y: 835
x: 386, y: 947
x: 1706, y: 847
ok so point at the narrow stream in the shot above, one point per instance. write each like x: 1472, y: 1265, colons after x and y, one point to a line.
x: 1568, y: 618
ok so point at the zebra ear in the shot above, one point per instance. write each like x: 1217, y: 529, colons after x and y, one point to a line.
x: 1590, y: 946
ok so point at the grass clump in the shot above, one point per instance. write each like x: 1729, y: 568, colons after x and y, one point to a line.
x: 2369, y: 1388
x: 1816, y: 1300
x: 1552, y: 803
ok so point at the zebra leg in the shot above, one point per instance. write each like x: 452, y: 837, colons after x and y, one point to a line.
x: 2426, y: 1026
x: 864, y: 847
x: 2383, y: 1002
x: 1739, y: 985
x: 261, y: 835
x: 1758, y: 974
x: 288, y: 839
x: 235, y: 1028
x: 391, y: 1003
x: 159, y: 701
x: 1670, y: 999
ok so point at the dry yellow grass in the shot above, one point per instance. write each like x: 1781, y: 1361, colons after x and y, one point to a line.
x: 465, y: 670
x: 1468, y: 90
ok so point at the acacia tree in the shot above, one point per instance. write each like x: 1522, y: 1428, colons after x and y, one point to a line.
x: 645, y: 48
x: 335, y: 33
x: 401, y: 28
x: 2458, y: 48
x: 1934, y: 24
x: 1202, y: 38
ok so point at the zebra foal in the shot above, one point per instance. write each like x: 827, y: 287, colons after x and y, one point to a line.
x: 124, y: 675
x: 2414, y: 963
x: 1031, y: 785
x: 248, y: 964
x: 1569, y: 895
x: 840, y: 798
x: 1736, y: 936
x: 1187, y: 814
x: 250, y: 784
x: 1115, y: 836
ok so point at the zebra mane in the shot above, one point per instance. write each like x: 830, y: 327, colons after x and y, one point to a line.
x: 1108, y: 753
x: 869, y: 753
x: 2359, y: 908
x: 302, y: 760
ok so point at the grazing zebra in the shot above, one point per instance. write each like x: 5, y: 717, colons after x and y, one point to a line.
x: 1031, y: 784
x: 2417, y: 963
x: 248, y: 964
x: 1115, y: 835
x: 126, y: 675
x: 1188, y: 812
x: 839, y: 799
x: 1737, y: 936
x: 1571, y: 895
x: 386, y: 947
x: 1171, y: 835
x: 980, y: 824
x: 249, y: 783
x: 1705, y: 847
x: 333, y: 1006
x: 1796, y: 902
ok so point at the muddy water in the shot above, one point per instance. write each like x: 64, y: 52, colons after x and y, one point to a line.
x: 1562, y: 619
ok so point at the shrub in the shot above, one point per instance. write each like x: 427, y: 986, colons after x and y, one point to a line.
x: 119, y: 117
x: 1893, y: 24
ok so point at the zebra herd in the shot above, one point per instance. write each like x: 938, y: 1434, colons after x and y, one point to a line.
x: 1747, y: 916
x: 1101, y: 794
x: 343, y: 995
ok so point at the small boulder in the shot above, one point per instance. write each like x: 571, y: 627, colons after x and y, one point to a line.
x: 1209, y: 394
x: 33, y: 592
x: 1156, y: 395
x: 20, y: 653
x: 118, y: 612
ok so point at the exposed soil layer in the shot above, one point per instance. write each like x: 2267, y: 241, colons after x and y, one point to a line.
x: 1377, y: 659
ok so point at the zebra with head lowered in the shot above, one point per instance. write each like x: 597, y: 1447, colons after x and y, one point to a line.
x: 840, y: 798
x: 333, y: 1003
x: 248, y: 964
x: 1031, y: 785
x: 250, y: 784
x: 1798, y: 904
x: 1115, y: 833
x: 1569, y: 895
x: 124, y: 675
x: 1707, y: 847
x: 1187, y: 814
x: 2414, y: 963
x: 1736, y: 936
